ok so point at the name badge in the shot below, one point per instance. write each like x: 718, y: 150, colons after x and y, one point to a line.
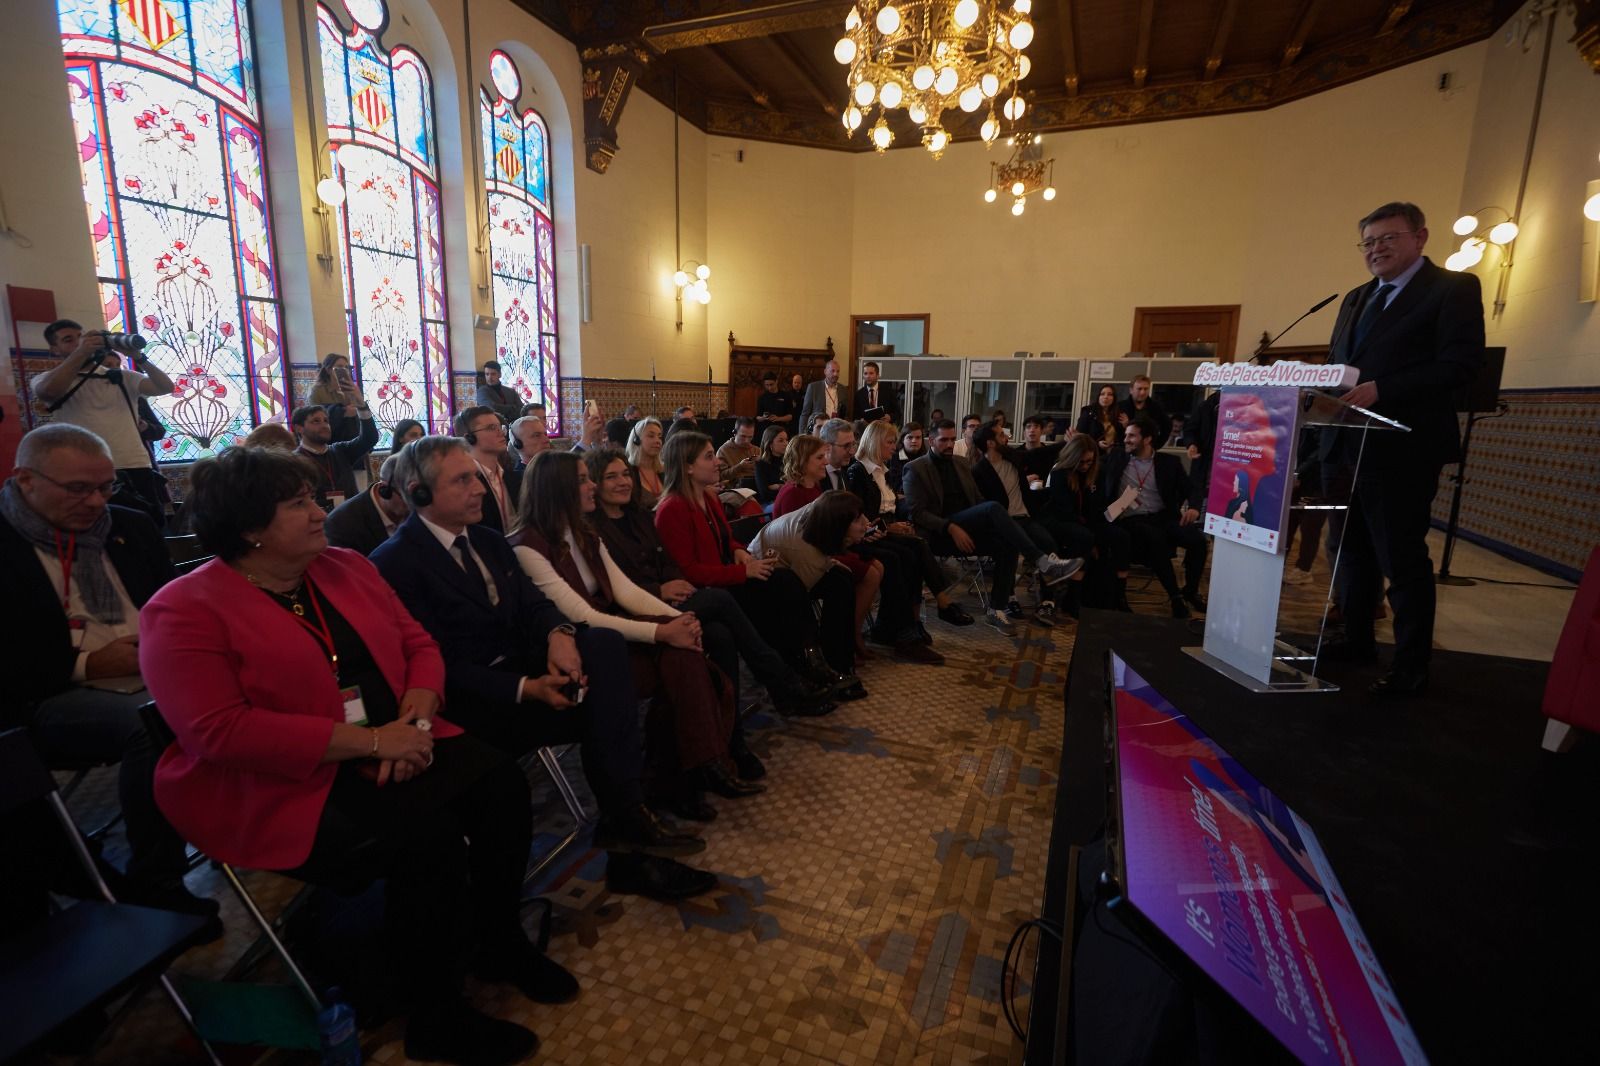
x: 77, y: 628
x: 334, y: 499
x: 355, y: 712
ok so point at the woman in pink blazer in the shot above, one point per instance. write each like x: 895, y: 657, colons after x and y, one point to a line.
x: 303, y: 697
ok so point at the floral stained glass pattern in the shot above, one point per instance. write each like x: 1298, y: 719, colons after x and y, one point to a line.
x: 164, y: 105
x: 521, y: 241
x: 380, y: 122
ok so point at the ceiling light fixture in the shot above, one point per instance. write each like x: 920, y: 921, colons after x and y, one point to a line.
x: 1025, y: 173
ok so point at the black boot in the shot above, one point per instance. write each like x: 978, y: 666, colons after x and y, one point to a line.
x: 818, y: 669
x: 1119, y: 597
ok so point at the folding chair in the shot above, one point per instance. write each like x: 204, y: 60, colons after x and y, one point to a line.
x: 972, y: 572
x: 90, y: 953
x: 550, y: 759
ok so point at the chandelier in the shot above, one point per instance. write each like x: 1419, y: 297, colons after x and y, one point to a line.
x: 930, y: 55
x: 1025, y: 173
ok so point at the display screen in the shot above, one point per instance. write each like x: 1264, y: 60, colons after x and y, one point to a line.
x: 1234, y: 878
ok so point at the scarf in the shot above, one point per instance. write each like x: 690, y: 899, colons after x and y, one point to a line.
x: 88, y: 570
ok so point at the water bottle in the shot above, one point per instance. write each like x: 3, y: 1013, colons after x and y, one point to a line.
x: 337, y: 1032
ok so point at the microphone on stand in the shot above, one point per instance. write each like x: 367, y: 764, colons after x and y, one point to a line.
x: 1319, y: 305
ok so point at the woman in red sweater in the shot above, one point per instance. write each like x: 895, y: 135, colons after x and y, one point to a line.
x: 696, y: 534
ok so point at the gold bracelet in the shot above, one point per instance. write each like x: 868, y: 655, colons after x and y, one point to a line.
x: 374, y: 754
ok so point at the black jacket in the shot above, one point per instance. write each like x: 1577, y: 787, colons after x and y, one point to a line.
x: 888, y: 399
x: 36, y: 651
x: 491, y: 510
x: 1172, y: 481
x: 768, y: 472
x: 356, y: 524
x: 1424, y: 348
x: 860, y: 482
x: 338, y: 465
x: 472, y: 633
x: 1153, y: 411
x: 636, y: 548
x: 924, y: 488
x: 1068, y: 506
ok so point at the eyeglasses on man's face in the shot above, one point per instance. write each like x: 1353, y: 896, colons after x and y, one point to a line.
x: 78, y: 489
x: 1383, y: 240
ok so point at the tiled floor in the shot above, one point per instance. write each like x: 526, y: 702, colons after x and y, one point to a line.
x: 866, y: 900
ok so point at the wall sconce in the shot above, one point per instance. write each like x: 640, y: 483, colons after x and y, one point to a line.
x: 691, y: 280
x: 330, y: 193
x: 1477, y: 235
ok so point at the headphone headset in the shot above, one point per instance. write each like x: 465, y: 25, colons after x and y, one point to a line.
x: 514, y: 440
x: 471, y: 435
x: 385, y: 490
x: 421, y: 495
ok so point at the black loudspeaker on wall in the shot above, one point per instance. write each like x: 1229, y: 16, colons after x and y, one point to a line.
x: 1478, y: 400
x: 1482, y: 393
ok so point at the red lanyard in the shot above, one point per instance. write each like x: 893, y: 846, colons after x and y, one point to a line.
x: 66, y: 558
x: 324, y: 464
x: 1147, y: 473
x: 322, y: 631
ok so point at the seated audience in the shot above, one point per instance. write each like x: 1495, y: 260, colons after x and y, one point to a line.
x: 1098, y: 421
x: 76, y: 573
x: 371, y: 518
x: 1159, y: 512
x: 774, y: 407
x: 503, y: 400
x: 769, y: 465
x: 617, y: 429
x: 969, y: 426
x: 336, y: 463
x: 946, y: 508
x: 691, y: 710
x: 534, y: 410
x: 517, y: 674
x: 868, y: 478
x: 695, y: 531
x: 304, y: 700
x: 486, y: 441
x: 630, y: 537
x: 592, y: 433
x: 805, y: 464
x: 270, y: 435
x: 644, y: 456
x: 528, y: 438
x: 738, y: 454
x: 817, y: 422
x: 998, y: 472
x: 405, y: 431
x: 1074, y: 512
x: 912, y: 446
x: 1037, y: 457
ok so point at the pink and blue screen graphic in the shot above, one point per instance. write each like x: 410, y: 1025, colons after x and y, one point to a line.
x: 1240, y: 884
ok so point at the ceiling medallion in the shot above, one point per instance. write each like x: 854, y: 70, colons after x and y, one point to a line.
x: 930, y: 55
x: 1025, y: 173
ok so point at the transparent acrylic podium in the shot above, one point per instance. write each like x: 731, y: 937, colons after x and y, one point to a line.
x: 1242, y: 635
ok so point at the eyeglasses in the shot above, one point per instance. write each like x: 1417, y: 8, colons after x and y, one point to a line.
x: 1385, y: 241
x: 80, y: 489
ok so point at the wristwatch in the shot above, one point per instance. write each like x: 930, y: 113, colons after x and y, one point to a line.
x: 566, y: 627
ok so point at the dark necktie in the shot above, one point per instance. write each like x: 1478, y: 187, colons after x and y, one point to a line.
x: 470, y: 565
x: 1370, y: 315
x: 872, y: 397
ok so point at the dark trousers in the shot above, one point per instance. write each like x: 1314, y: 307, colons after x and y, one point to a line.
x: 1107, y: 551
x: 605, y: 725
x: 453, y: 845
x: 1000, y: 537
x: 85, y: 726
x: 900, y: 594
x: 691, y: 706
x: 1386, y: 533
x: 779, y: 609
x: 729, y: 635
x: 1156, y: 536
x: 836, y: 591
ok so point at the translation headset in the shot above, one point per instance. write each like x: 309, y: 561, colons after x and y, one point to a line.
x: 421, y: 495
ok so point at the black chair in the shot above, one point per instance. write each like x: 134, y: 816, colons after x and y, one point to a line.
x: 744, y: 529
x: 93, y: 951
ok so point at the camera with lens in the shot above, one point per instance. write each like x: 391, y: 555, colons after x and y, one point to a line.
x: 122, y: 343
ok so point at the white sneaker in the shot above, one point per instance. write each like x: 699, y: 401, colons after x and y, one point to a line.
x: 1052, y: 568
x: 1001, y: 623
x: 1293, y: 575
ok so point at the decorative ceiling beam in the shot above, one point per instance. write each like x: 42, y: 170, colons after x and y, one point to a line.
x: 792, y: 58
x: 1141, y: 52
x: 720, y: 60
x: 1069, y: 46
x: 735, y: 25
x: 1219, y: 38
x: 1397, y: 11
x: 1302, y: 29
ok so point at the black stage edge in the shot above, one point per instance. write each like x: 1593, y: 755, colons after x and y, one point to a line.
x: 1467, y: 852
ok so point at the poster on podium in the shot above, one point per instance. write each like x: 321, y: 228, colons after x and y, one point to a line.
x: 1252, y: 466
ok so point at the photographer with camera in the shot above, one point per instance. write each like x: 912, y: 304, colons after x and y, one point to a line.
x: 90, y: 389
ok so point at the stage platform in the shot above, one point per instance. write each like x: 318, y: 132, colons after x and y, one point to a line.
x: 1466, y: 851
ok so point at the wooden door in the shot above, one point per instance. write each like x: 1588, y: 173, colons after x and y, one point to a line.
x: 1161, y: 330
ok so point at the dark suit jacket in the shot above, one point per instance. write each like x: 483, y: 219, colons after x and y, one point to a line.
x: 636, y: 548
x: 472, y: 633
x: 36, y: 654
x: 858, y: 481
x: 1025, y: 462
x: 1423, y: 349
x: 1172, y: 481
x: 888, y: 399
x: 1152, y: 410
x: 491, y: 510
x: 356, y: 524
x: 924, y: 490
x: 816, y: 403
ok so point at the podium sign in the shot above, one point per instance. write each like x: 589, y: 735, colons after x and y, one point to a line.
x: 1259, y: 418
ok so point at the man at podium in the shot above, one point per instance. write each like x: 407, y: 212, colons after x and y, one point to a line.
x: 1416, y: 333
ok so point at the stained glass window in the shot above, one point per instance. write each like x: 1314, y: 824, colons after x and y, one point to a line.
x: 163, y: 96
x: 391, y: 242
x: 522, y: 262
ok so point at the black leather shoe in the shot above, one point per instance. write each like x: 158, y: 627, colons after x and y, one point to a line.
x: 658, y: 879
x: 748, y: 765
x: 923, y: 634
x: 1179, y: 608
x: 690, y: 806
x: 808, y: 708
x: 535, y: 974
x: 457, y: 1033
x: 796, y: 688
x: 1400, y: 684
x: 953, y: 615
x: 822, y: 672
x: 914, y: 651
x: 637, y: 829
x: 1195, y: 600
x: 857, y: 691
x: 714, y: 777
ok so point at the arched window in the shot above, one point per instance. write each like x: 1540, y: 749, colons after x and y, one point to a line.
x: 380, y: 130
x: 522, y: 263
x: 167, y: 118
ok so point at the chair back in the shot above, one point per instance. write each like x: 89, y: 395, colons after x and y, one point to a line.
x: 747, y: 527
x: 23, y: 776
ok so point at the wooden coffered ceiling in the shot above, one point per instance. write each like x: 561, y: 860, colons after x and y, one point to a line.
x: 766, y: 71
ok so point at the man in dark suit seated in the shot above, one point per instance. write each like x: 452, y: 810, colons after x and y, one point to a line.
x: 517, y: 675
x: 947, y: 509
x: 617, y: 429
x: 1416, y: 333
x: 874, y: 393
x: 480, y: 427
x: 74, y: 573
x: 371, y: 518
x: 1153, y: 500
